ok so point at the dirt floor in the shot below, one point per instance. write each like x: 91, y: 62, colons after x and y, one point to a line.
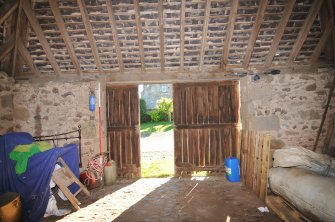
x: 169, y: 199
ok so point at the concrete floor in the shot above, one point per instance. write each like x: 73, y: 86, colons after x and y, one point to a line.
x: 169, y: 199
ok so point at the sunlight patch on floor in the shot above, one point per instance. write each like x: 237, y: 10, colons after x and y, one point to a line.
x: 113, y: 209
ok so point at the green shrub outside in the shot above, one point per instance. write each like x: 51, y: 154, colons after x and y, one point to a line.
x: 144, y: 116
x: 163, y: 111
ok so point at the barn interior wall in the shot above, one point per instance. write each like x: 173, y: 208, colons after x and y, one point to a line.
x: 56, y: 107
x: 288, y: 106
x: 6, y: 104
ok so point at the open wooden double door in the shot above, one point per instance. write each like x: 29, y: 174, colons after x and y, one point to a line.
x: 206, y: 126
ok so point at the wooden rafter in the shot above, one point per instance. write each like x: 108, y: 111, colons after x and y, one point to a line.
x: 65, y: 35
x: 279, y: 32
x: 8, y: 9
x: 89, y: 31
x: 304, y: 31
x: 204, y: 33
x: 182, y: 33
x: 229, y: 32
x: 17, y: 35
x: 139, y: 33
x: 257, y: 25
x: 27, y: 58
x: 6, y: 48
x: 114, y: 34
x: 40, y: 35
x: 323, y: 41
x: 161, y: 33
x: 330, y: 4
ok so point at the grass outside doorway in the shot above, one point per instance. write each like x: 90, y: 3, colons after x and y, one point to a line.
x: 158, y: 168
x: 155, y: 127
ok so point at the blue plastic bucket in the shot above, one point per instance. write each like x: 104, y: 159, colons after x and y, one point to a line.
x: 232, y: 169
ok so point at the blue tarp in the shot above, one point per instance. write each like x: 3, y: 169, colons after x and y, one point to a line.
x: 33, y: 185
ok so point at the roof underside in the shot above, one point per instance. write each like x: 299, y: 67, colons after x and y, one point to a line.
x: 97, y: 36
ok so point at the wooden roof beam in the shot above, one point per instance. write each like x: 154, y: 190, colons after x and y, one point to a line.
x: 40, y: 35
x: 8, y: 9
x: 323, y: 41
x: 27, y: 58
x: 89, y: 31
x: 6, y: 47
x: 279, y: 32
x: 253, y: 37
x: 139, y: 33
x: 304, y: 31
x: 204, y: 33
x: 161, y: 34
x: 229, y: 32
x: 67, y: 40
x: 114, y: 34
x: 182, y: 33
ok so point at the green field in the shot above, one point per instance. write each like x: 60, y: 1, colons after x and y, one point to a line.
x: 154, y: 127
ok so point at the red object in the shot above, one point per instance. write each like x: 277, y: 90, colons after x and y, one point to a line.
x: 89, y: 179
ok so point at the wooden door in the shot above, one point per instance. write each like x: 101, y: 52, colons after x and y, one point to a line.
x: 123, y: 136
x: 207, y: 123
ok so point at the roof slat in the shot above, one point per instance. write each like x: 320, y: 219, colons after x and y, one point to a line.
x: 40, y: 35
x: 304, y: 31
x: 204, y: 33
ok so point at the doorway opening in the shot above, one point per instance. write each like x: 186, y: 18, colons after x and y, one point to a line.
x: 156, y: 130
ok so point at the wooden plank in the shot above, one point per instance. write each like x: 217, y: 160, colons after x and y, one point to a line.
x: 304, y: 31
x: 161, y: 34
x: 139, y: 33
x: 66, y: 38
x: 182, y: 33
x: 6, y: 48
x: 7, y: 9
x: 323, y: 41
x: 40, y: 35
x: 285, y: 211
x: 26, y: 56
x: 89, y: 31
x: 204, y: 33
x: 265, y: 167
x: 114, y: 34
x: 279, y: 32
x: 229, y: 33
x: 257, y: 25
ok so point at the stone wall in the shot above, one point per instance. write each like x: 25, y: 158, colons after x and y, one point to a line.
x: 58, y: 107
x: 6, y: 104
x: 289, y: 106
x: 153, y: 92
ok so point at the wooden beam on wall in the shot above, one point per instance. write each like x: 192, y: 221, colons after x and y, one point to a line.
x: 8, y: 9
x: 139, y: 33
x: 279, y: 32
x: 204, y: 33
x: 112, y: 23
x: 89, y: 32
x: 257, y: 25
x: 40, y: 35
x: 323, y: 41
x: 27, y: 58
x: 67, y: 40
x: 7, y: 47
x: 182, y: 33
x: 229, y: 32
x: 304, y: 31
x: 161, y: 34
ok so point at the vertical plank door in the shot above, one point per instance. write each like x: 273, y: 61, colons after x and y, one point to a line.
x: 123, y: 135
x: 207, y: 125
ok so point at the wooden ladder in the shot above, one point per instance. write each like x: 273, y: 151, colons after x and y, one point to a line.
x: 64, y: 177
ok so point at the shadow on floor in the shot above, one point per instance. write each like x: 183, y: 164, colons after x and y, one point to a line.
x: 173, y: 199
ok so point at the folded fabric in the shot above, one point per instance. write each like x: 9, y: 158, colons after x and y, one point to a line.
x: 22, y: 153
